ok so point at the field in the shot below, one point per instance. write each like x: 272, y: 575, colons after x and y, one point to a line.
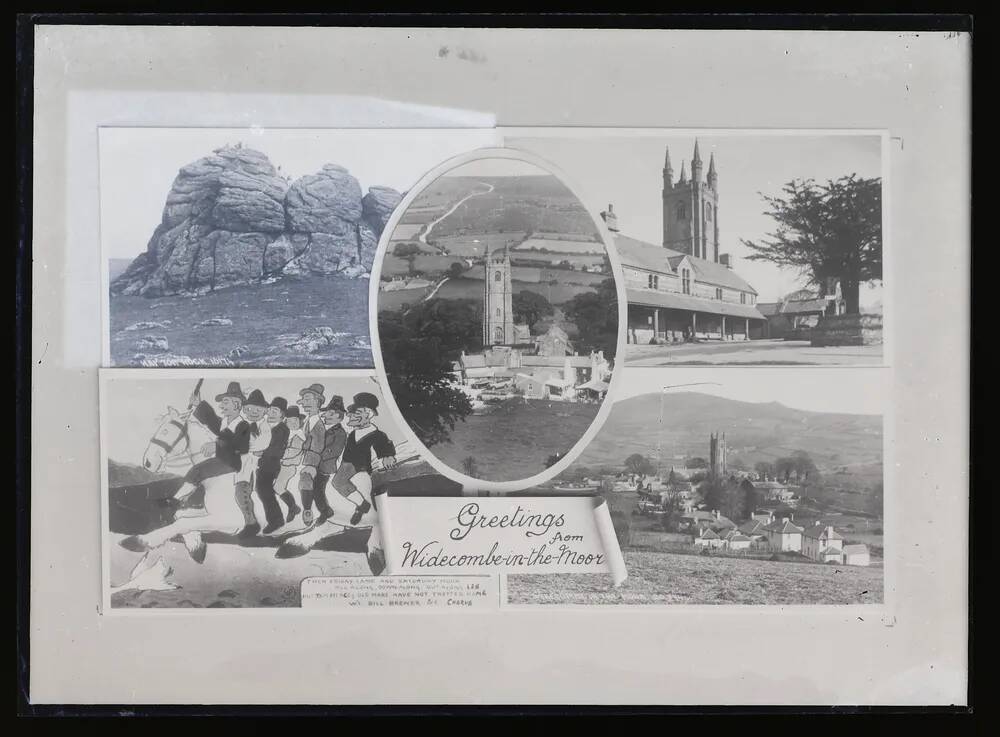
x: 400, y: 298
x: 259, y: 314
x: 474, y: 244
x: 514, y: 440
x: 431, y: 264
x: 406, y: 231
x: 466, y: 288
x: 667, y: 578
x: 561, y: 246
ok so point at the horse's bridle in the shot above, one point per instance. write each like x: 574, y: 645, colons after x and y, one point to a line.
x: 169, y: 448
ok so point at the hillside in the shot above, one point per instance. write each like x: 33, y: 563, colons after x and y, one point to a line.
x: 846, y: 448
x: 127, y: 474
x: 540, y: 204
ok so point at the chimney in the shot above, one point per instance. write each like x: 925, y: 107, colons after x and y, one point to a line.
x: 726, y: 260
x: 610, y: 219
x: 717, y: 514
x: 829, y: 532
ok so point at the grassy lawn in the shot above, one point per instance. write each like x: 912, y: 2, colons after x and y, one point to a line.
x: 668, y: 578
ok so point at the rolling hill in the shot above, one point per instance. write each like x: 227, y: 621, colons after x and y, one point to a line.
x: 846, y: 448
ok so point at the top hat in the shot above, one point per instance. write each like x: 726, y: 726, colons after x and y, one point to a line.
x: 281, y: 403
x: 293, y: 411
x: 364, y: 399
x: 233, y: 390
x: 316, y: 389
x: 256, y: 398
x: 336, y: 403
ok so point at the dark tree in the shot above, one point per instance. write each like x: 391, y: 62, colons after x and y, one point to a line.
x: 418, y: 354
x: 640, y: 464
x: 800, y: 465
x: 553, y: 459
x: 764, y: 470
x: 530, y: 307
x: 595, y: 315
x: 750, y: 498
x: 831, y: 230
x: 408, y: 252
x: 456, y: 270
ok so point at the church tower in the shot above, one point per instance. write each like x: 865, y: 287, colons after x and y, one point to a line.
x: 717, y: 455
x: 691, y: 209
x: 498, y: 308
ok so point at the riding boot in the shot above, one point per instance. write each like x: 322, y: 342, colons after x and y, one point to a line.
x: 293, y: 507
x: 245, y: 502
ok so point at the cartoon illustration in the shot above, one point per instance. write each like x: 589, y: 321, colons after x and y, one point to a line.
x: 252, y: 473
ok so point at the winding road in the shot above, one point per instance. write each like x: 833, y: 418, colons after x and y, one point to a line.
x: 423, y: 236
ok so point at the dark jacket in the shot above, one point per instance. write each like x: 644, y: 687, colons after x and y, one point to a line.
x: 230, y: 444
x: 333, y: 446
x: 270, y: 458
x: 359, y: 452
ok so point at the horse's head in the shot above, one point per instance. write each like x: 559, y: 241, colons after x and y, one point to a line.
x: 170, y: 438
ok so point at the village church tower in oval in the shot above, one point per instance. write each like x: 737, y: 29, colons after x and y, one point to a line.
x: 498, y: 308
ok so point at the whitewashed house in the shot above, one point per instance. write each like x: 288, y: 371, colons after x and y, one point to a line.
x: 736, y: 540
x: 823, y: 543
x: 708, y: 538
x: 784, y: 535
x: 856, y: 555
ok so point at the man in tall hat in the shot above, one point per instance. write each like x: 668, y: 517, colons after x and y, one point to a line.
x: 254, y: 412
x: 287, y: 481
x: 232, y: 438
x: 367, y: 447
x: 312, y: 484
x: 269, y: 464
x: 334, y: 438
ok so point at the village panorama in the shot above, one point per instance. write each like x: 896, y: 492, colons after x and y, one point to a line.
x: 723, y: 501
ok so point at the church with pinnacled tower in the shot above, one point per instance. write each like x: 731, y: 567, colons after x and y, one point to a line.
x: 684, y: 288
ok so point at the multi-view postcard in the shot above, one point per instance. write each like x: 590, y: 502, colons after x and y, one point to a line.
x: 313, y: 331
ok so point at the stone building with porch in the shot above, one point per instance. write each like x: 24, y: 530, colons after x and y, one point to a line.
x: 684, y: 289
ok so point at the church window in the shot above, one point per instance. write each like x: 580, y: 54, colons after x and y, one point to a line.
x: 708, y: 212
x: 497, y: 276
x: 743, y: 298
x: 498, y: 334
x: 498, y: 312
x: 686, y: 280
x: 654, y: 281
x: 681, y: 211
x: 718, y: 293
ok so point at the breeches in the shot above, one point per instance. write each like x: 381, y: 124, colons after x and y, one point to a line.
x: 347, y: 480
x: 208, y: 468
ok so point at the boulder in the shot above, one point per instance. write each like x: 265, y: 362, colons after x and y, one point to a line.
x: 377, y: 207
x: 153, y: 344
x: 232, y: 219
x: 323, y: 202
x: 312, y: 340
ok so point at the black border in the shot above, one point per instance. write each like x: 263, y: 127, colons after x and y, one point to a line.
x: 24, y: 108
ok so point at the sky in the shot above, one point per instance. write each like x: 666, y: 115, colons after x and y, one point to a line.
x: 627, y: 172
x: 138, y: 165
x: 133, y: 404
x: 848, y: 390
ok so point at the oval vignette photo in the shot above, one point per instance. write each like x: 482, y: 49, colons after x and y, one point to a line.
x: 498, y: 320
